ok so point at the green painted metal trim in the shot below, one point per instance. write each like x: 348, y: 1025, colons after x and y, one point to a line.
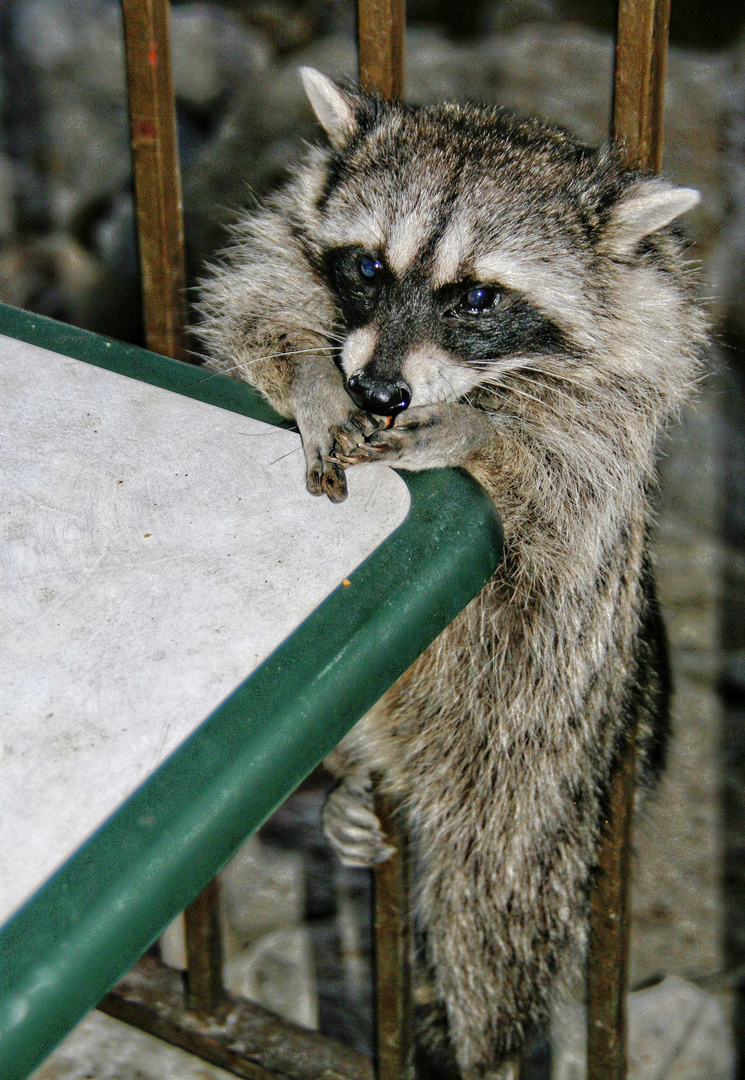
x: 79, y: 934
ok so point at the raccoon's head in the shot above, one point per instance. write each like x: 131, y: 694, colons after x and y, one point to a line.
x: 459, y: 244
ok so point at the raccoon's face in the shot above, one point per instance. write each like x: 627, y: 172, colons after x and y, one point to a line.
x: 459, y: 243
x: 413, y: 340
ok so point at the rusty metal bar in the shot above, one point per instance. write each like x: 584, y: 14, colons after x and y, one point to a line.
x: 639, y: 85
x: 204, y: 952
x: 381, y: 32
x: 381, y: 46
x: 247, y: 1040
x: 157, y: 183
x: 157, y: 180
x: 607, y: 969
x: 392, y: 950
x: 637, y: 126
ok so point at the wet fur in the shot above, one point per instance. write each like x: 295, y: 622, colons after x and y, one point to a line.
x: 500, y: 740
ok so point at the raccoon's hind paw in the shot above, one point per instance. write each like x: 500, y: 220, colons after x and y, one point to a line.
x: 351, y: 827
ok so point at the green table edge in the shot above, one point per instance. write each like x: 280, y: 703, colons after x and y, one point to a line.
x: 88, y: 924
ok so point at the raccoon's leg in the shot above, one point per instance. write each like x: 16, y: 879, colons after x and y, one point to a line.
x: 320, y: 403
x: 423, y: 437
x: 350, y: 824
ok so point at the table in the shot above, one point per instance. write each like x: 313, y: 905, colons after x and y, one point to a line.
x: 162, y: 563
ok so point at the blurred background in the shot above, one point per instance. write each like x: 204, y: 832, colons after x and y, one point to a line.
x: 297, y: 924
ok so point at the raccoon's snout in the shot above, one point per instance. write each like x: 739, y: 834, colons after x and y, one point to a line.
x: 377, y: 395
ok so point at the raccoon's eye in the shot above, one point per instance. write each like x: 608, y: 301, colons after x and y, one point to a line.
x: 479, y: 299
x: 370, y: 267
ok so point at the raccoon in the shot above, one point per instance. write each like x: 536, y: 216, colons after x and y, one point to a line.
x: 453, y: 286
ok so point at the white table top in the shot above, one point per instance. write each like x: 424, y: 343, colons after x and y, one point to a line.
x: 155, y: 549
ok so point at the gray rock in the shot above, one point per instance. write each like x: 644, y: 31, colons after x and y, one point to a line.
x: 676, y: 1032
x: 276, y: 971
x: 263, y: 890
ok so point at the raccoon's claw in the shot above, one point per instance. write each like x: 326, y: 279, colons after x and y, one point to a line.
x: 327, y: 477
x: 351, y: 827
x: 360, y: 454
x: 382, y: 444
x: 357, y: 428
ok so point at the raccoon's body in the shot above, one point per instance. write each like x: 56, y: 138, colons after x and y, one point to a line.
x: 520, y: 306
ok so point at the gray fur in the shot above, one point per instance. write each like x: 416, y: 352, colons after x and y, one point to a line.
x: 500, y: 740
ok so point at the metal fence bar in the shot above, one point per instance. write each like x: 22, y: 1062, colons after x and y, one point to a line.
x: 160, y: 231
x: 204, y: 952
x: 637, y: 125
x: 381, y: 31
x: 157, y: 179
x: 392, y: 950
x: 639, y: 85
x: 607, y: 967
x: 245, y: 1038
x: 381, y: 53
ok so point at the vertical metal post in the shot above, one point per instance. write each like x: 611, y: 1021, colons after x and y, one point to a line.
x: 206, y: 992
x: 639, y: 85
x: 160, y: 230
x: 638, y: 108
x: 392, y: 950
x: 381, y: 43
x: 381, y: 46
x: 607, y: 968
x: 157, y: 178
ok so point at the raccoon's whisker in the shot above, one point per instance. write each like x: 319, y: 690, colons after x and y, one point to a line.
x: 286, y: 328
x: 286, y: 352
x: 509, y: 388
x: 258, y: 359
x: 281, y: 328
x: 199, y: 360
x: 508, y: 378
x: 545, y: 384
x: 443, y: 377
x: 520, y: 367
x: 520, y: 393
x: 557, y: 376
x: 283, y: 456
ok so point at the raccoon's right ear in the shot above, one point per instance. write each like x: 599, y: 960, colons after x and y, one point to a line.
x: 644, y: 208
x: 332, y: 106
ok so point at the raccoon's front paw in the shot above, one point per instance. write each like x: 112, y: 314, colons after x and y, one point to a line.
x: 408, y: 436
x: 358, y: 427
x: 325, y: 468
x: 351, y: 826
x: 435, y: 436
x: 326, y: 477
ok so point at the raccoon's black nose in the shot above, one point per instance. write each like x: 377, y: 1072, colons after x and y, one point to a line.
x: 378, y: 396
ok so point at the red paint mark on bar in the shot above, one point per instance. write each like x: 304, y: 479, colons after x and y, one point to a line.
x: 152, y: 56
x: 147, y: 129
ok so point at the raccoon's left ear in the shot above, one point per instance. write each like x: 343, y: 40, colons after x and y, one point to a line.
x: 643, y: 209
x: 333, y: 108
